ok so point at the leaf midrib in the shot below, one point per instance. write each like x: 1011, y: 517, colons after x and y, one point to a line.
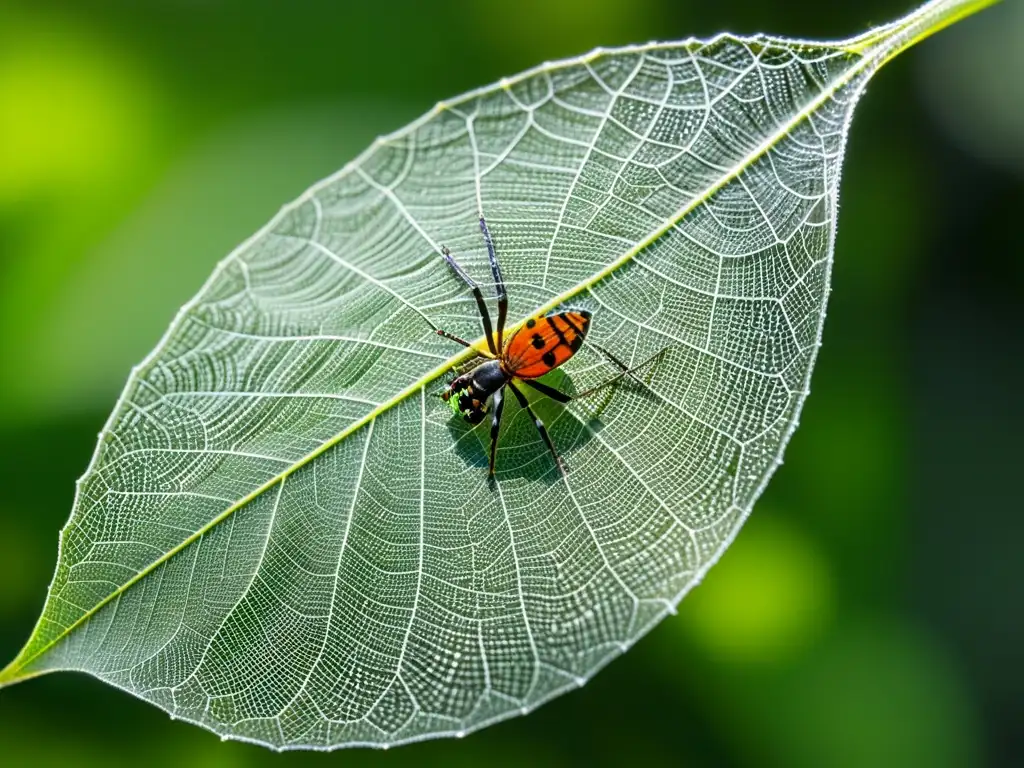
x: 10, y: 673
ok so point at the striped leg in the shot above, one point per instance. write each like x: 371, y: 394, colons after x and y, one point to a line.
x: 561, y: 397
x: 539, y: 424
x: 499, y: 282
x: 485, y: 316
x: 499, y: 405
x: 624, y: 370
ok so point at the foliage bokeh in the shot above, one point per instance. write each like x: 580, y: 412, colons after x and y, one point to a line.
x: 865, y: 614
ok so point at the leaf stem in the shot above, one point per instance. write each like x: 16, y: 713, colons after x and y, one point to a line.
x: 894, y: 38
x: 15, y: 673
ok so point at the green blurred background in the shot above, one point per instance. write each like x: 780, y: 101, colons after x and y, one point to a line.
x: 870, y: 611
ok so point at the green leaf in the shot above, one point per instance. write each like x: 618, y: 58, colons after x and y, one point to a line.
x: 285, y: 537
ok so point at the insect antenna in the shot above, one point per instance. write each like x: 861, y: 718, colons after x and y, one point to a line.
x: 452, y: 337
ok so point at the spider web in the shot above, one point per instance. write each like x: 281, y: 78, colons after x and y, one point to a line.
x: 286, y: 538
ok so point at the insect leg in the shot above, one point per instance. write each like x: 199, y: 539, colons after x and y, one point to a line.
x: 539, y: 424
x: 499, y: 281
x: 485, y: 316
x: 499, y: 404
x: 551, y: 392
x: 626, y: 371
x: 562, y: 397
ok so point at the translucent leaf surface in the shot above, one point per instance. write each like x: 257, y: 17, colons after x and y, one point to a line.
x: 285, y: 537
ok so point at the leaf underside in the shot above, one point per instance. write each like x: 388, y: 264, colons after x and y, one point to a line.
x: 285, y: 537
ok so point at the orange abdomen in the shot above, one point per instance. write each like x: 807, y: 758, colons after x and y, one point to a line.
x: 543, y: 343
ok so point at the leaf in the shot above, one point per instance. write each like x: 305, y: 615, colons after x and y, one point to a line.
x: 285, y: 537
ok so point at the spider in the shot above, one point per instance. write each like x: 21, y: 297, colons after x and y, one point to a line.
x: 535, y: 348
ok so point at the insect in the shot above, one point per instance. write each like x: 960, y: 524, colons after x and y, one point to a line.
x: 535, y: 348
